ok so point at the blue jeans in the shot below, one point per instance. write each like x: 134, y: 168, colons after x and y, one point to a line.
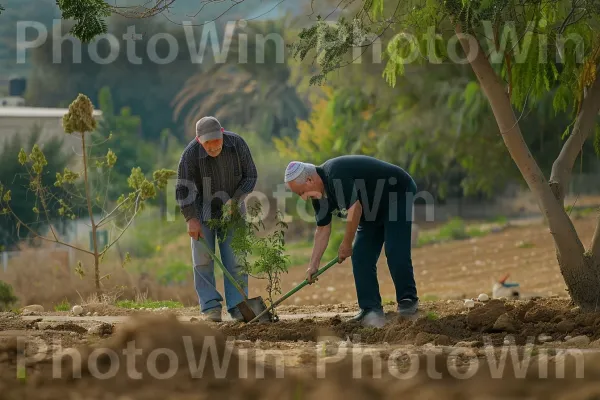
x: 204, y: 274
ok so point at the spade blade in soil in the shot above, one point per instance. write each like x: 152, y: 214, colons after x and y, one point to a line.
x: 252, y: 307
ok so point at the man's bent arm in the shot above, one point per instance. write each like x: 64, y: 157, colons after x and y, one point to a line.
x: 320, y: 244
x: 354, y: 214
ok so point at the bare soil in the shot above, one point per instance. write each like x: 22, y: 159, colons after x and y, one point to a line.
x: 426, y: 357
x: 453, y: 270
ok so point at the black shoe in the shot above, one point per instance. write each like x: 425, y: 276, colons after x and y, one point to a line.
x: 373, y: 318
x: 408, y: 307
x: 358, y: 317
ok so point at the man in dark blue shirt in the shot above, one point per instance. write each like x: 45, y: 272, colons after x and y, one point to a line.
x: 376, y: 197
x: 216, y: 169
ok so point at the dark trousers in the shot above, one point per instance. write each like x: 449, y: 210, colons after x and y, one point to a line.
x: 394, y: 231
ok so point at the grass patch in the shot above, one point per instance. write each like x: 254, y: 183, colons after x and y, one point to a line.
x: 335, y: 240
x: 299, y: 245
x: 148, y: 304
x: 175, y: 273
x: 63, y: 306
x: 500, y: 220
x: 432, y: 316
x: 147, y: 237
x: 455, y: 229
x: 430, y: 297
x: 299, y: 259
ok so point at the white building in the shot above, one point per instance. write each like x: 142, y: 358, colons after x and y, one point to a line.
x: 22, y: 120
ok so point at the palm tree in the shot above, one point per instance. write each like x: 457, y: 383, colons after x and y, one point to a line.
x: 256, y: 93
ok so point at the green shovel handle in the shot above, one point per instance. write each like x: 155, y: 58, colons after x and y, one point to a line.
x: 225, y: 272
x: 294, y: 290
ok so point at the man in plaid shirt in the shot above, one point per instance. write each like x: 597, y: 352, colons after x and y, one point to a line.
x: 215, y: 169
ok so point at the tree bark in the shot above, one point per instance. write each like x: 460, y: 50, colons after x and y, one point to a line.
x: 559, y: 222
x: 90, y: 211
x: 584, y: 125
x: 577, y: 269
x: 595, y: 247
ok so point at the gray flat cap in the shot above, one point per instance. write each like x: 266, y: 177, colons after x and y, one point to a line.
x: 208, y: 128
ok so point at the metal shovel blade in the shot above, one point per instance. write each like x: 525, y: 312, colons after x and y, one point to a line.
x: 252, y: 307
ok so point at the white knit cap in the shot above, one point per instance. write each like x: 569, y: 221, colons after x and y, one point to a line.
x: 295, y: 169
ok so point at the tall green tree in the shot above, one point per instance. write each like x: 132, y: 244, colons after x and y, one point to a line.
x: 512, y: 78
x: 251, y: 87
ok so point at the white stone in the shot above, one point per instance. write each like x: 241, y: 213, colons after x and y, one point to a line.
x: 483, y: 297
x: 77, y: 310
x: 88, y: 314
x: 34, y: 308
x: 544, y: 338
x: 94, y: 330
x: 469, y: 303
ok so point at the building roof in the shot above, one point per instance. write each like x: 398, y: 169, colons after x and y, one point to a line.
x: 28, y: 112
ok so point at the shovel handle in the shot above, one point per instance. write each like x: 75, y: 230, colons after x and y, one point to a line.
x: 225, y: 272
x: 294, y: 290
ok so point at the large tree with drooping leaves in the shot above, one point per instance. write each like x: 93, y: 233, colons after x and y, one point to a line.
x: 250, y: 86
x: 518, y: 52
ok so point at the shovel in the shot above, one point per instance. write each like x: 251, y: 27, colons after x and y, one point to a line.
x: 294, y: 290
x: 248, y: 307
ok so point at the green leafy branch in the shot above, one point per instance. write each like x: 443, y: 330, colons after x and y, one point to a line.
x: 267, y: 252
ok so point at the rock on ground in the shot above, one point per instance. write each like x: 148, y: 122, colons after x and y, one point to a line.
x: 483, y: 318
x: 505, y: 323
x: 578, y: 341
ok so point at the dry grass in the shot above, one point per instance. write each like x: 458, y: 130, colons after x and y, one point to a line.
x: 43, y: 276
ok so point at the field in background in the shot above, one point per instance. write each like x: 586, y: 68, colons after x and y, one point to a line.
x: 454, y: 260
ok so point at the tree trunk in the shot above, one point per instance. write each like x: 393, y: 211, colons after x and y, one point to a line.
x: 584, y: 125
x: 578, y: 270
x: 88, y: 196
x: 595, y: 247
x: 97, y: 274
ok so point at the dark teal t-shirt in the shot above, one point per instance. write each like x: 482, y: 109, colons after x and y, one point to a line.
x: 375, y: 183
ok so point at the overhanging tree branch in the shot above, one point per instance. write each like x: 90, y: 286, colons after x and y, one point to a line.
x: 584, y: 125
x: 561, y: 227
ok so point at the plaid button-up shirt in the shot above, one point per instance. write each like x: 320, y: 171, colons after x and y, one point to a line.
x: 205, y: 183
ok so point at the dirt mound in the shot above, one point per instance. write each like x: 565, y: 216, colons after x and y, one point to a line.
x: 182, y: 361
x: 491, y: 321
